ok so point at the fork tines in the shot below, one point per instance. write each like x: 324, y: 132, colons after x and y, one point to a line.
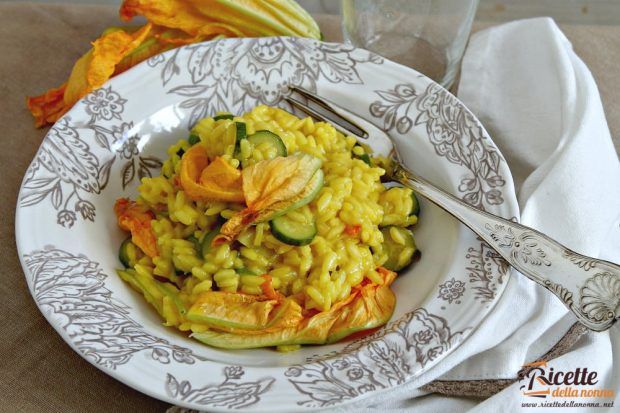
x: 324, y: 110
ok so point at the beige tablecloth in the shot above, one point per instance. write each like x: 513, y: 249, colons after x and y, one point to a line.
x: 38, y: 45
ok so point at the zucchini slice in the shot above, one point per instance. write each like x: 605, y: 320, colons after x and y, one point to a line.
x: 416, y: 205
x: 193, y: 139
x: 364, y: 157
x: 245, y: 271
x: 399, y: 245
x: 123, y: 254
x: 205, y: 244
x: 223, y: 116
x: 196, y: 242
x: 241, y: 132
x: 265, y: 136
x: 292, y: 232
x: 315, y: 183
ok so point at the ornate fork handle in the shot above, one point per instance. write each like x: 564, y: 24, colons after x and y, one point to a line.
x: 589, y: 287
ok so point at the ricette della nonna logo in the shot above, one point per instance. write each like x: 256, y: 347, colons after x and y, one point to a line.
x: 578, y: 387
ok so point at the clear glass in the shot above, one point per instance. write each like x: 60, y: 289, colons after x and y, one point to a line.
x: 427, y: 35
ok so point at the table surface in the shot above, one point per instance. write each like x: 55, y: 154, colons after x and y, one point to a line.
x: 39, y: 44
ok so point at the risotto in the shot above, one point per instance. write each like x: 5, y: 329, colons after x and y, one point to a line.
x: 268, y: 230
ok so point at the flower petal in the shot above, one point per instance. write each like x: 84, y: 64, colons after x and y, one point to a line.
x: 171, y: 23
x: 270, y: 186
x: 222, y: 174
x: 109, y: 50
x: 136, y: 219
x: 48, y: 107
x: 268, y: 182
x: 217, y: 181
x: 370, y: 305
x: 90, y: 72
x: 176, y: 14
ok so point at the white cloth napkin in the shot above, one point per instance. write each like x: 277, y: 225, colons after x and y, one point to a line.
x: 540, y: 104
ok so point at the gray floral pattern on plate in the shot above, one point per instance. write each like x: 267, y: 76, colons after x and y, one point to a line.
x: 68, y: 165
x: 119, y: 141
x: 381, y: 360
x: 104, y: 104
x: 452, y: 130
x: 486, y: 271
x: 64, y: 169
x: 232, y: 392
x: 240, y: 74
x: 452, y: 290
x: 71, y: 289
x: 457, y: 136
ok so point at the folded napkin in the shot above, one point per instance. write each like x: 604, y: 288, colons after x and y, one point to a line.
x: 541, y: 105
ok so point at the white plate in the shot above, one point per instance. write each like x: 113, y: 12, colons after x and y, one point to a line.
x: 68, y: 238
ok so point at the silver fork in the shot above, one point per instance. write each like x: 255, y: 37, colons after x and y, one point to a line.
x: 589, y: 287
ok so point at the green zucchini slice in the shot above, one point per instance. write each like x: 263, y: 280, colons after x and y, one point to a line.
x: 265, y: 136
x: 205, y: 244
x: 315, y: 183
x: 292, y: 232
x: 415, y: 210
x: 223, y: 116
x: 241, y: 132
x: 399, y: 244
x: 193, y: 139
x: 123, y: 254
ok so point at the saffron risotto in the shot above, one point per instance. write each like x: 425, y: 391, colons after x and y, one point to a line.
x: 361, y: 231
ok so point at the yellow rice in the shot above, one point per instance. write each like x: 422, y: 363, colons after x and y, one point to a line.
x: 324, y: 271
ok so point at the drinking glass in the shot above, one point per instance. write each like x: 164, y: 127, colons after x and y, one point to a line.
x: 427, y: 35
